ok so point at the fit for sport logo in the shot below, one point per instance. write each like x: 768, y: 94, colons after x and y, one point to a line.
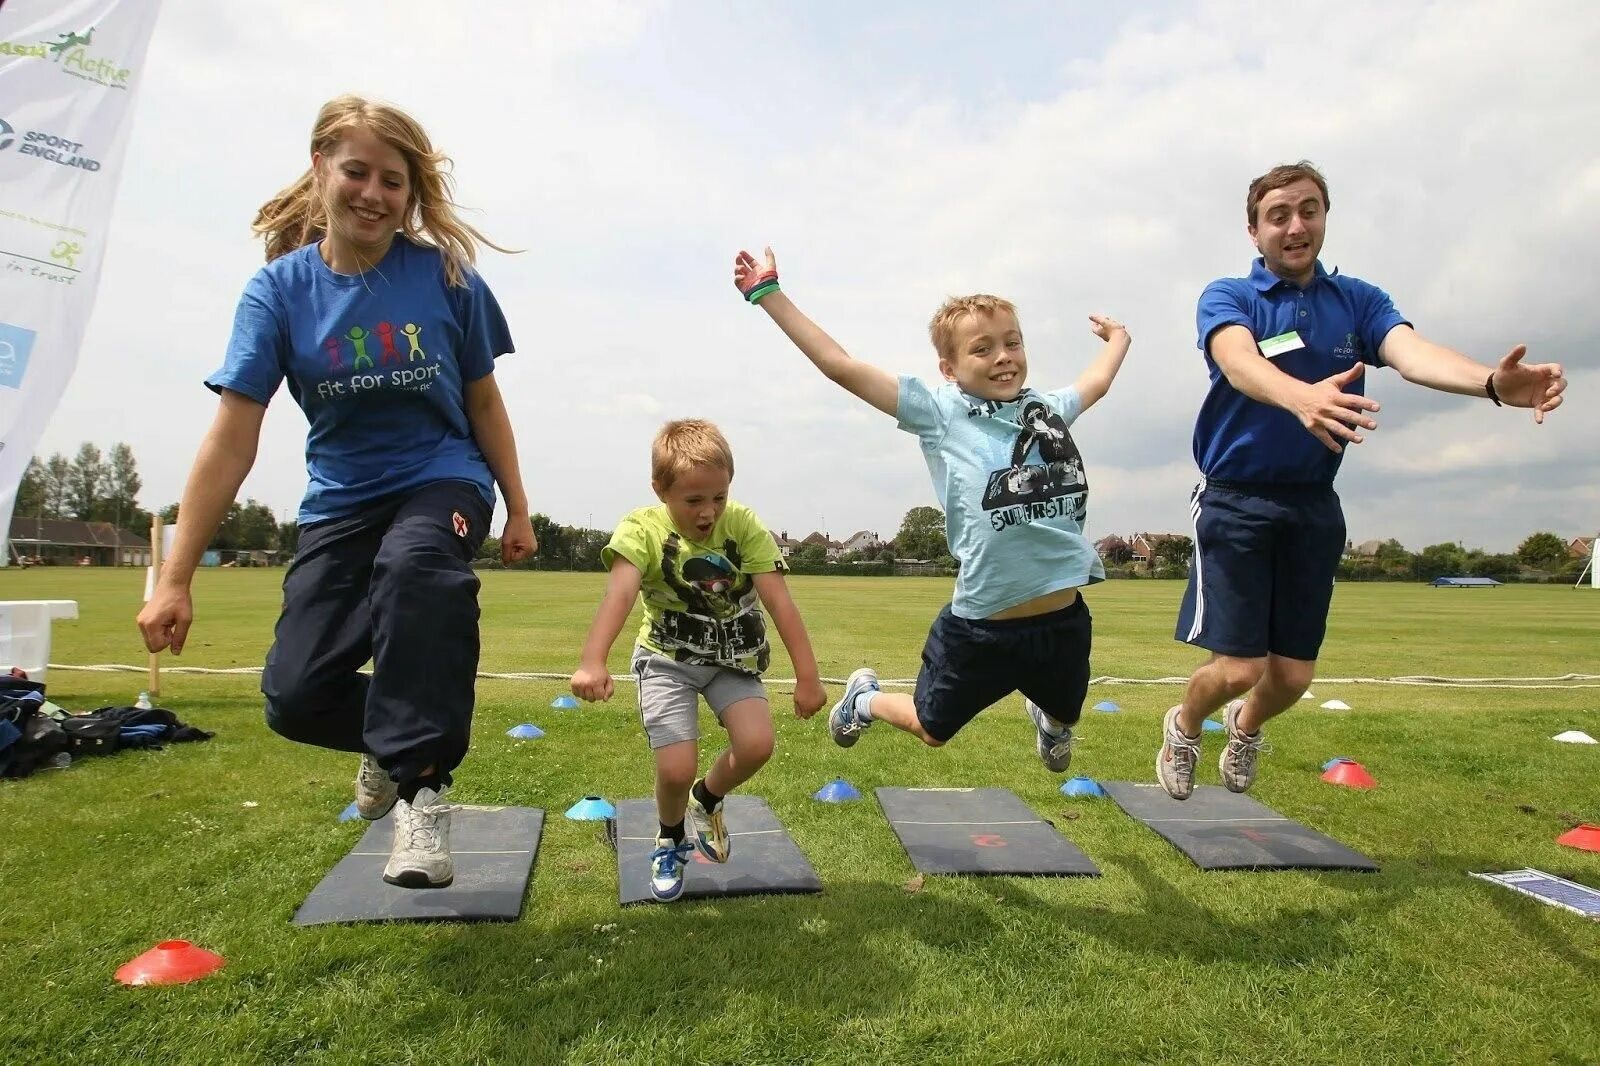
x: 69, y: 51
x: 1353, y: 348
x: 47, y: 147
x: 16, y: 344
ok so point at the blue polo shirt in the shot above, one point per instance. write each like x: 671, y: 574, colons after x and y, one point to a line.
x: 1337, y: 319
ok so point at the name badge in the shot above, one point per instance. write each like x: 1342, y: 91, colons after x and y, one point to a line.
x: 1273, y: 347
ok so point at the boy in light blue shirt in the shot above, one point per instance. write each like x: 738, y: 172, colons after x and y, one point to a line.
x: 1011, y: 482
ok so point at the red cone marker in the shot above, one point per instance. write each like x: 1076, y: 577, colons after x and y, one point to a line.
x: 1584, y: 837
x: 1350, y: 775
x: 171, y: 962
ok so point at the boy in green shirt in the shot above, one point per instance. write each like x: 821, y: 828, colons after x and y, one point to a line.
x: 705, y: 567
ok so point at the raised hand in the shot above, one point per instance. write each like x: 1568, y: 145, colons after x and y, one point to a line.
x: 1104, y: 326
x: 1535, y: 385
x: 748, y: 274
x: 1332, y: 415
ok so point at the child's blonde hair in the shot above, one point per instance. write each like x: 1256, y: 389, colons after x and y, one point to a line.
x: 682, y: 445
x: 298, y: 215
x: 942, y: 329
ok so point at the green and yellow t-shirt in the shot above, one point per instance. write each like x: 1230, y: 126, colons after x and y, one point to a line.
x: 700, y: 604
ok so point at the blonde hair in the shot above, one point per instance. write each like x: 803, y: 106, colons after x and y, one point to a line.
x: 942, y: 329
x: 682, y: 445
x: 298, y: 214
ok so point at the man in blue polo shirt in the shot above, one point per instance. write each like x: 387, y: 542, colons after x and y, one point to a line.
x: 1287, y: 348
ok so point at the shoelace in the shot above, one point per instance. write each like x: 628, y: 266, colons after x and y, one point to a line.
x: 667, y: 860
x: 373, y: 776
x: 1242, y: 744
x: 1185, y: 750
x: 423, y: 825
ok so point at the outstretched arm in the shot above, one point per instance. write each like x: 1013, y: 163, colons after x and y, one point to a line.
x: 1096, y: 379
x: 1326, y: 411
x: 1422, y: 362
x: 759, y: 283
x: 809, y: 695
x: 593, y: 681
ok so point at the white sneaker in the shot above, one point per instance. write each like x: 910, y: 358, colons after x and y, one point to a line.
x: 1238, y: 762
x: 1175, y: 763
x: 1052, y: 741
x: 376, y: 791
x: 420, y: 856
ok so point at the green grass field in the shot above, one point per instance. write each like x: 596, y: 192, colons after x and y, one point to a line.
x: 1154, y: 961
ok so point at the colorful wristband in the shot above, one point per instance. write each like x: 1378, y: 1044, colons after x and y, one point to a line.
x: 1488, y: 388
x: 764, y: 285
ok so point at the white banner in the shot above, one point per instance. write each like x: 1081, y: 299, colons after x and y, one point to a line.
x: 68, y: 73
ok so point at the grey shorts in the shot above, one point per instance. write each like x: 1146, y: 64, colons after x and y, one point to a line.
x: 669, y: 693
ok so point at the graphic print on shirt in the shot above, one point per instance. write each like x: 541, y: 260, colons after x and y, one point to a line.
x: 353, y: 371
x: 1051, y: 486
x: 723, y: 622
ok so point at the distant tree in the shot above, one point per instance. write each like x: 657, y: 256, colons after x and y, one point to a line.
x: 289, y: 537
x: 1441, y: 560
x: 921, y: 535
x: 811, y: 555
x: 1499, y: 567
x: 58, y: 487
x: 1543, y: 551
x: 1174, y: 554
x: 1394, y: 562
x: 87, y: 481
x: 1115, y: 551
x: 33, y: 494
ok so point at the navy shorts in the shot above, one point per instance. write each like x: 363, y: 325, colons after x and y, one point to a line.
x: 1265, y: 557
x: 970, y: 663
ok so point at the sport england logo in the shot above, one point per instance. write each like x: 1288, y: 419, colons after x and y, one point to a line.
x: 47, y: 147
x: 16, y: 344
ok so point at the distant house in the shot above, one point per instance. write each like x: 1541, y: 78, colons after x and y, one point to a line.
x: 786, y: 547
x: 1581, y: 547
x: 1367, y: 549
x: 1112, y: 549
x: 64, y: 542
x: 1144, y: 545
x: 860, y: 540
x: 832, y: 547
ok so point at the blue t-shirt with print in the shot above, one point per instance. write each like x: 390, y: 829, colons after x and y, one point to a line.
x: 1327, y: 326
x: 378, y: 363
x: 1011, y: 483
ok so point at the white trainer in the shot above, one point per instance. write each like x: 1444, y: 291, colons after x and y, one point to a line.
x: 420, y: 856
x: 1175, y: 763
x: 376, y: 791
x: 1238, y: 762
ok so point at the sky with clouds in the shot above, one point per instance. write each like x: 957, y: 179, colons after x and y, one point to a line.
x: 1075, y: 157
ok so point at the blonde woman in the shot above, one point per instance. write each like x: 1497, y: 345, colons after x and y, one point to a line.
x: 370, y: 310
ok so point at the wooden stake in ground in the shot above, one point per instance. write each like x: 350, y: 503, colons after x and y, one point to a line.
x: 155, y: 576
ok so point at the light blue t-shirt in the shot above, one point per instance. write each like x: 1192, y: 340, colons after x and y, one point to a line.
x: 1011, y: 483
x: 377, y: 362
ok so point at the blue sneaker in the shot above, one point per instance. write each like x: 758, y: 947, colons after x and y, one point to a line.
x: 666, y: 868
x: 843, y: 722
x: 1054, y: 748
